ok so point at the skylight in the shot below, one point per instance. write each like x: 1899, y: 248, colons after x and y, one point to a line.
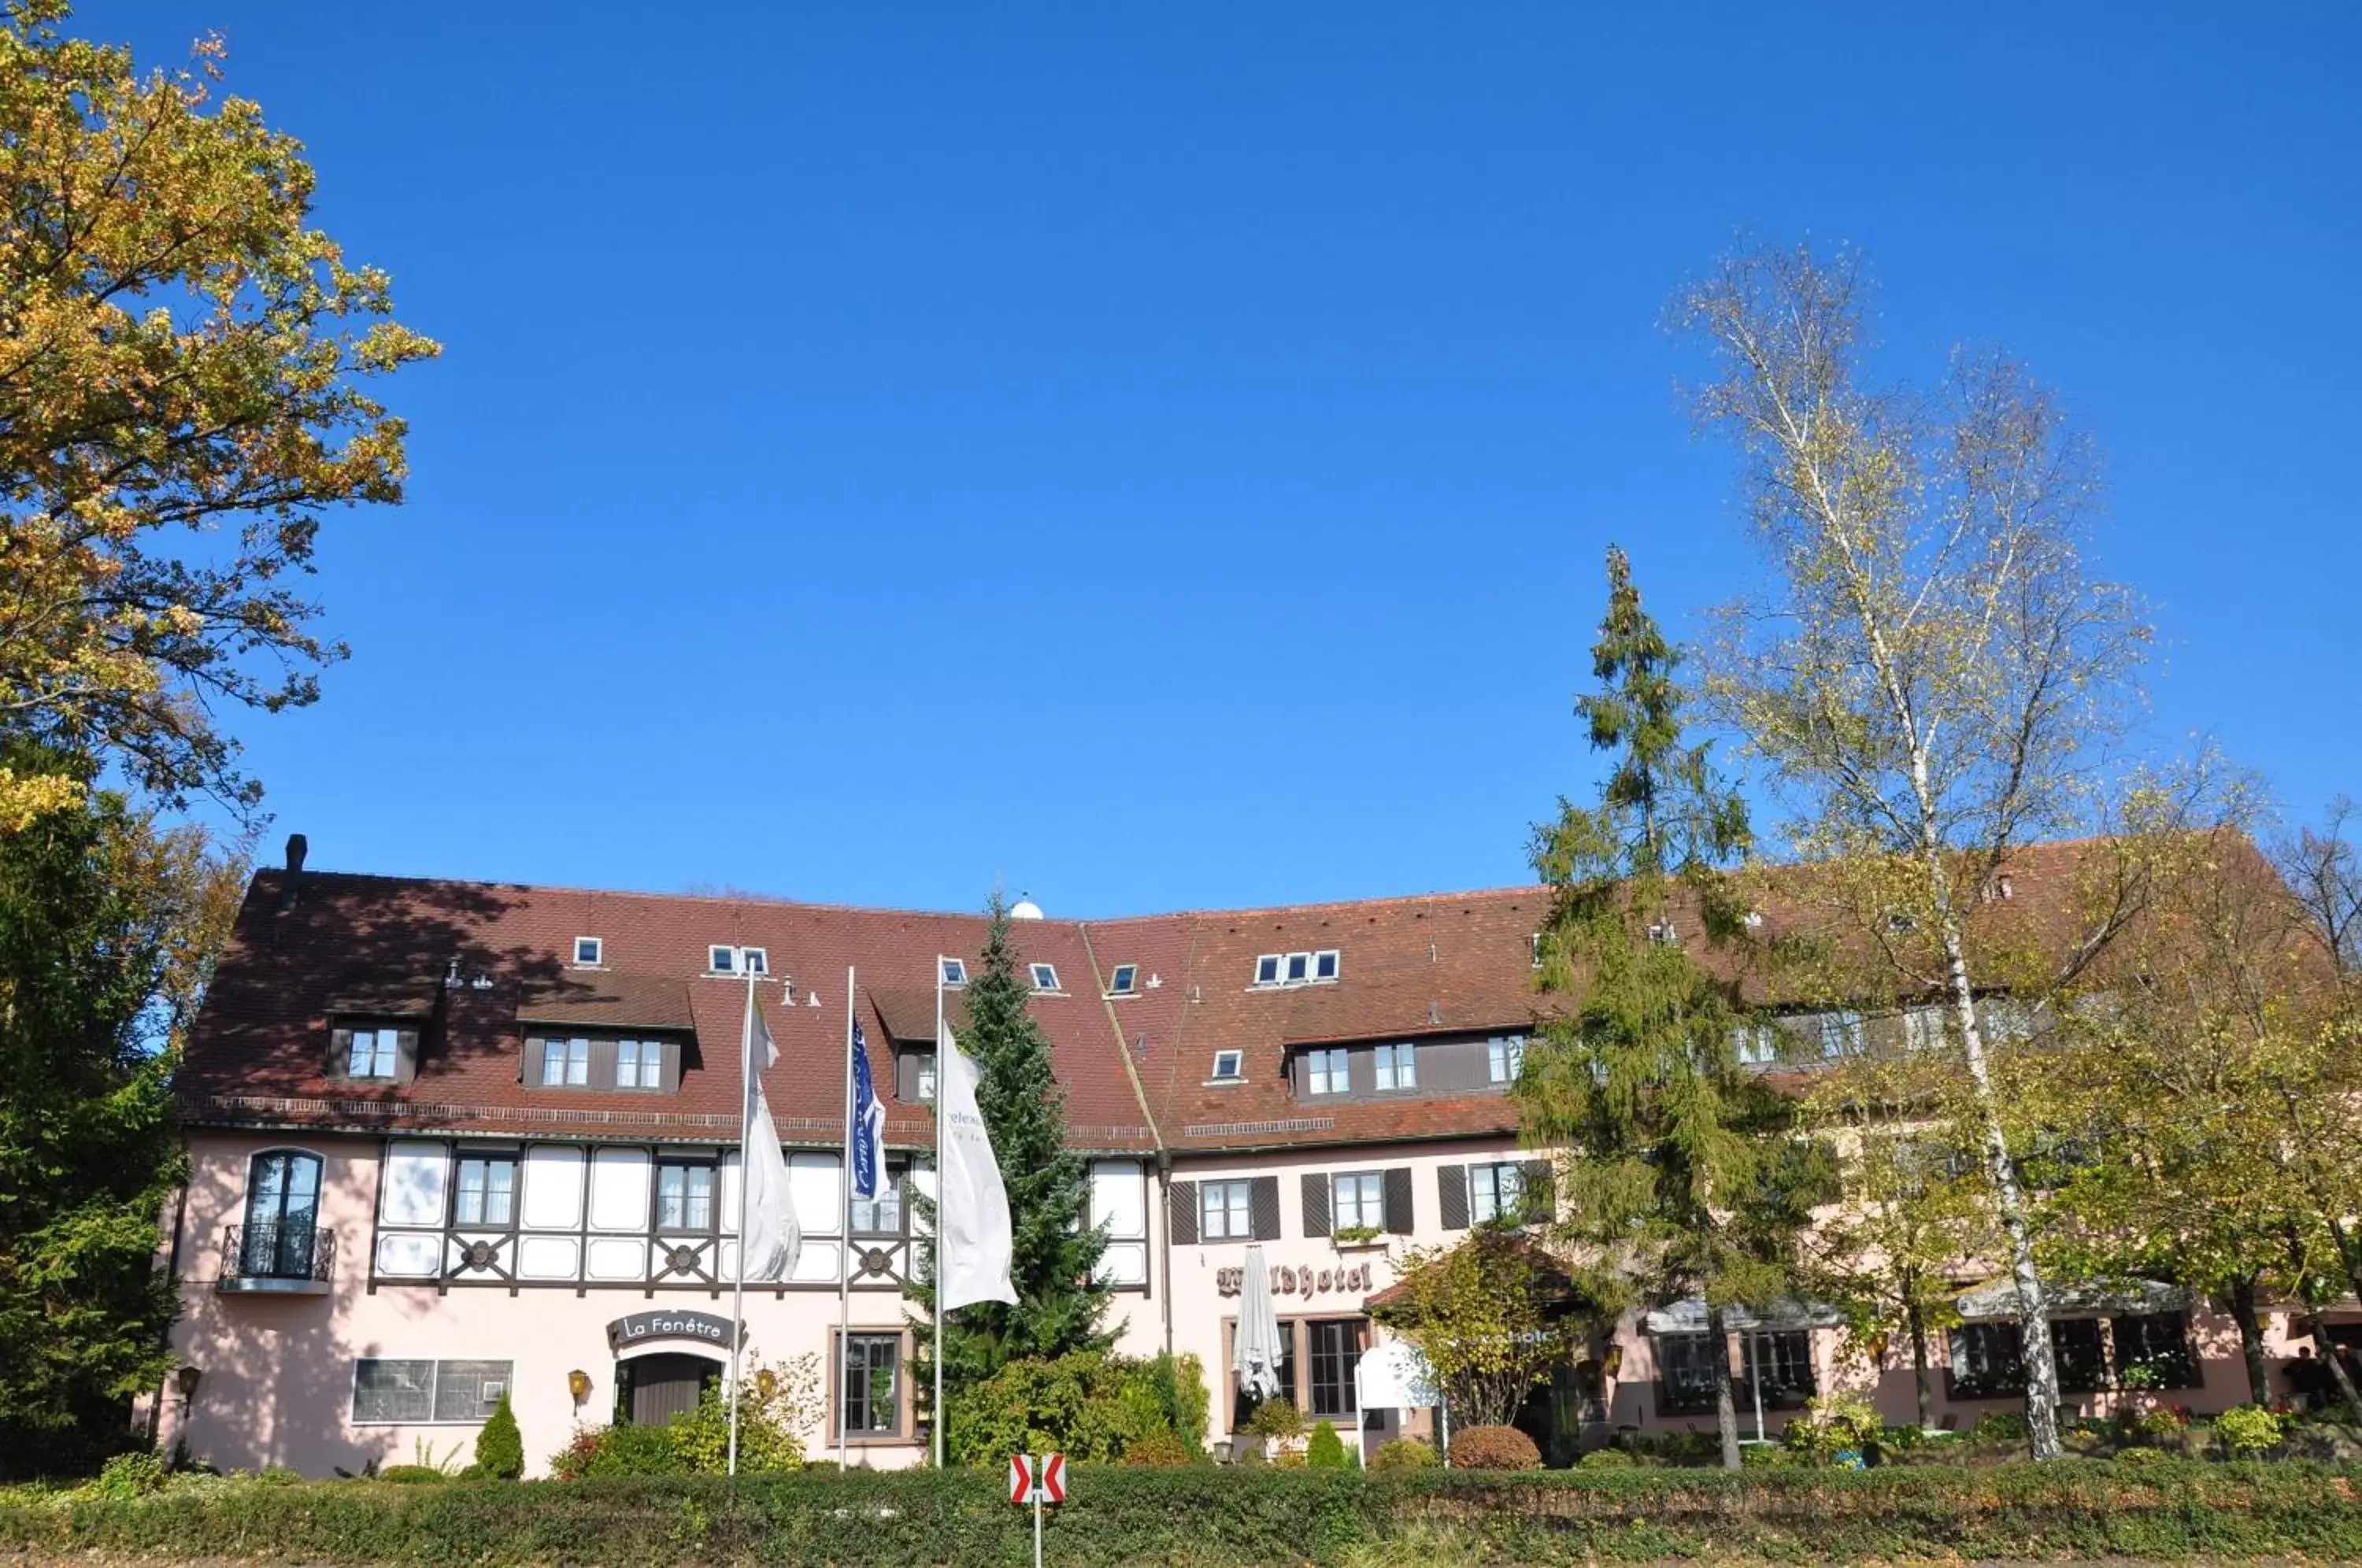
x: 589, y: 952
x: 1045, y: 977
x: 1124, y: 981
x: 955, y: 972
x: 1229, y: 1066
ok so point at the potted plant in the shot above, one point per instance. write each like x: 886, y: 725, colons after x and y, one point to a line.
x: 1280, y: 1424
x: 1356, y: 1238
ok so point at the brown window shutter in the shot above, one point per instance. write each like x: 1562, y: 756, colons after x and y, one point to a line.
x: 603, y: 1054
x: 1262, y: 1203
x: 1398, y: 1199
x: 670, y: 1080
x: 1181, y: 1212
x: 529, y: 1070
x: 1315, y: 1203
x: 1451, y: 1190
x: 1538, y: 1204
x: 340, y: 1052
x: 406, y: 1056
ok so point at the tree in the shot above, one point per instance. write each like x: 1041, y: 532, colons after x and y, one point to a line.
x: 107, y: 926
x: 500, y: 1446
x: 1491, y: 1315
x: 1927, y: 676
x: 181, y: 366
x: 1678, y: 1174
x: 1054, y: 1249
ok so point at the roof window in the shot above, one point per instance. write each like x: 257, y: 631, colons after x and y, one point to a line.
x: 955, y: 971
x: 1318, y: 968
x: 1229, y: 1066
x: 1124, y: 981
x: 589, y: 952
x: 1268, y: 969
x: 721, y: 960
x: 1045, y: 977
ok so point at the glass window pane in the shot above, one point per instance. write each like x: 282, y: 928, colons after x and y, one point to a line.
x: 468, y: 1390
x: 393, y: 1390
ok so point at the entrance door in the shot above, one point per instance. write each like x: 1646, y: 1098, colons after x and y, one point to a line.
x: 653, y: 1389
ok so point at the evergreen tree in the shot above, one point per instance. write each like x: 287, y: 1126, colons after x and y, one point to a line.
x: 1680, y: 1174
x: 106, y: 925
x: 1053, y: 1248
x: 500, y: 1447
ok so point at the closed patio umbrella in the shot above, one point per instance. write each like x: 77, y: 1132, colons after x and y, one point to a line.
x: 1254, y: 1349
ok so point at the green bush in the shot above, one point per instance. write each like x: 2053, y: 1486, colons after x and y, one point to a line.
x: 131, y: 1475
x: 1087, y: 1406
x: 616, y: 1451
x: 1405, y: 1453
x: 412, y: 1475
x: 500, y: 1447
x: 1495, y: 1448
x: 2143, y: 1457
x: 2000, y: 1426
x: 1158, y: 1448
x: 2249, y: 1430
x: 1277, y: 1418
x: 1325, y: 1449
x: 1831, y: 1424
x: 1211, y: 1518
x: 1608, y: 1459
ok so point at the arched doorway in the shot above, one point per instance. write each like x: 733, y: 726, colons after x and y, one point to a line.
x: 652, y: 1389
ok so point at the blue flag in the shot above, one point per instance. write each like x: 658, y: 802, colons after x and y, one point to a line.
x: 869, y: 1152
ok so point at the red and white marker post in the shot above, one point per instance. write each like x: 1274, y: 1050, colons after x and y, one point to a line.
x: 1037, y: 1479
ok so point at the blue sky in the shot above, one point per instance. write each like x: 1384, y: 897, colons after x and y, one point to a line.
x: 1162, y: 456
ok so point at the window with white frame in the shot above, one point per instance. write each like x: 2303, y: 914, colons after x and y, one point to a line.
x: 1045, y: 977
x: 1398, y: 1067
x: 721, y: 960
x: 417, y: 1393
x: 1124, y: 981
x: 1268, y: 969
x: 565, y: 1063
x: 376, y: 1054
x: 486, y: 1191
x: 589, y: 952
x: 955, y: 972
x: 1229, y: 1066
x: 1495, y: 1192
x: 1923, y: 1028
x: 1758, y: 1043
x: 1223, y: 1210
x: 1298, y: 969
x: 1505, y: 1057
x: 1308, y: 969
x: 753, y: 961
x: 685, y: 1196
x: 639, y: 1064
x: 1358, y: 1201
x: 1841, y: 1035
x: 1324, y: 964
x: 1327, y: 1071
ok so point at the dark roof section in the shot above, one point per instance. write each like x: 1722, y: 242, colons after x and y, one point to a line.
x: 608, y: 1001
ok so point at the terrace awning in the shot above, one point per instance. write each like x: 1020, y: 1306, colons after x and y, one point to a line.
x: 1996, y: 1299
x: 1687, y: 1316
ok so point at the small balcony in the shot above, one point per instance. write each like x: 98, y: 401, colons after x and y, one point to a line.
x: 276, y: 1258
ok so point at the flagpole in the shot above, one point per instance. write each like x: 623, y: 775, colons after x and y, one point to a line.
x: 844, y: 1270
x: 738, y: 1290
x: 941, y: 1231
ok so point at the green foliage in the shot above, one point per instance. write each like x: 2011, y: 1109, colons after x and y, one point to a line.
x: 624, y: 1450
x: 780, y: 1403
x: 500, y: 1447
x: 1495, y: 1448
x: 1832, y: 1423
x: 1608, y: 1459
x: 1405, y: 1453
x: 1054, y: 1249
x: 412, y: 1475
x: 1160, y: 1450
x: 1210, y: 1517
x: 1180, y: 1385
x: 131, y: 1475
x: 1489, y: 1314
x: 1089, y: 1406
x: 2249, y: 1430
x: 1325, y: 1450
x: 1277, y: 1418
x: 107, y: 926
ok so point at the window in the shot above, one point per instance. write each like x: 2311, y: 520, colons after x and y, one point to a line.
x: 639, y: 1064
x: 1923, y: 1028
x: 684, y: 1197
x: 2153, y: 1350
x: 376, y: 1054
x: 1988, y: 1361
x: 1505, y: 1057
x: 565, y: 1061
x: 881, y: 1215
x: 1534, y: 949
x: 722, y: 960
x: 955, y: 972
x: 1327, y: 1072
x: 1757, y: 1045
x: 1045, y: 977
x: 1495, y: 1192
x: 1398, y: 1067
x: 1125, y: 981
x: 1299, y: 969
x: 486, y: 1191
x: 1685, y: 1371
x: 1243, y: 1405
x: 1664, y: 933
x: 1783, y: 1359
x: 753, y: 961
x: 589, y: 952
x: 872, y: 1397
x: 1222, y: 1210
x: 1357, y: 1202
x: 415, y: 1393
x: 924, y: 1074
x: 1324, y: 964
x: 1268, y: 969
x: 282, y: 1216
x: 2080, y: 1353
x: 1336, y: 1349
x: 1840, y: 1033
x: 1229, y: 1066
x: 2004, y: 1018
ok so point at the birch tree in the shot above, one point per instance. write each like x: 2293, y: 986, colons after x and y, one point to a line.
x: 1927, y: 675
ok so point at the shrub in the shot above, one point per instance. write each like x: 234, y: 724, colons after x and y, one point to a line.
x: 131, y: 1475
x: 1157, y: 1450
x: 1179, y: 1381
x: 619, y: 1451
x: 411, y: 1474
x: 2143, y: 1457
x: 2000, y: 1426
x: 1608, y: 1459
x: 2160, y: 1425
x: 1325, y: 1449
x: 500, y: 1447
x: 1405, y: 1453
x: 1086, y: 1406
x: 1495, y: 1448
x: 1832, y: 1423
x: 1277, y: 1418
x: 2249, y: 1430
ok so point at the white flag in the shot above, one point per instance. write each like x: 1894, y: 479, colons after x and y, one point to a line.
x: 972, y: 1236
x: 772, y: 1241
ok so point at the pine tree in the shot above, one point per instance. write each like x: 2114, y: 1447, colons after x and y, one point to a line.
x: 500, y: 1447
x: 1679, y: 1174
x: 1054, y: 1249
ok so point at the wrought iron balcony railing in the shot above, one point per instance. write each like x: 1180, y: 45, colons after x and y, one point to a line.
x: 277, y: 1255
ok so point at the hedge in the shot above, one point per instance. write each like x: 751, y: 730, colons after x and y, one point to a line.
x: 1226, y: 1519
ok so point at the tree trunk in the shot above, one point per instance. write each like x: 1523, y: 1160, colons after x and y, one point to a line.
x: 2034, y: 1308
x: 1726, y: 1412
x: 2241, y: 1302
x: 1922, y: 1376
x: 2326, y: 1354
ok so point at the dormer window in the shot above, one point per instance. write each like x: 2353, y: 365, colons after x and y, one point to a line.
x: 955, y: 972
x: 1327, y: 1071
x: 1045, y: 977
x: 722, y: 960
x: 1124, y: 981
x: 375, y: 1053
x: 589, y: 952
x: 1230, y: 1066
x: 1268, y: 969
